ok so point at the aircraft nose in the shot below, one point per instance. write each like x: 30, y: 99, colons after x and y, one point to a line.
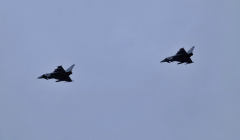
x: 40, y: 77
x: 163, y: 61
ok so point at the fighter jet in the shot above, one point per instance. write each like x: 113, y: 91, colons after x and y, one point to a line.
x: 182, y: 57
x: 60, y: 74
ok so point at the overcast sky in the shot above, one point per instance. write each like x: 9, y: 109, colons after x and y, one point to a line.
x: 120, y: 90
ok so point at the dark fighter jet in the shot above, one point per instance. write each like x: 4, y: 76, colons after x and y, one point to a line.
x: 60, y: 74
x: 182, y: 56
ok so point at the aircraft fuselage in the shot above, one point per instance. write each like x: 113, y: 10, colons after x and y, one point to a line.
x: 55, y: 75
x: 179, y: 57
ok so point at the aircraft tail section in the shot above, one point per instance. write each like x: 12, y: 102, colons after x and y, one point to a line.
x: 191, y: 50
x: 70, y: 68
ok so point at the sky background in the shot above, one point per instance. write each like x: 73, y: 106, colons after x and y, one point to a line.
x: 120, y: 90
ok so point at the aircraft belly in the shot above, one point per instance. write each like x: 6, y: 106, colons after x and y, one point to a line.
x: 176, y: 58
x: 58, y: 75
x: 180, y: 58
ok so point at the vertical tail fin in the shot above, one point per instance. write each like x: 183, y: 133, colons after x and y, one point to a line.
x: 70, y: 68
x: 191, y: 50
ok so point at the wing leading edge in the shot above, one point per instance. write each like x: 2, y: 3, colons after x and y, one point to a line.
x: 181, y: 51
x: 59, y: 69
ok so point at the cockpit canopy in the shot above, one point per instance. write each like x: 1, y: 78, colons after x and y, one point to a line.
x: 169, y: 58
x: 47, y: 74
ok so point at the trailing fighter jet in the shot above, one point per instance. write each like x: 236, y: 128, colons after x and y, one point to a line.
x: 60, y: 74
x: 182, y: 57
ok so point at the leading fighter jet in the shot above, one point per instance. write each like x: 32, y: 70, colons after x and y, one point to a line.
x: 60, y: 74
x: 182, y: 57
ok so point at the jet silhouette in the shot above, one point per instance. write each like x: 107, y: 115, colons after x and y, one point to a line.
x: 60, y: 74
x: 182, y: 57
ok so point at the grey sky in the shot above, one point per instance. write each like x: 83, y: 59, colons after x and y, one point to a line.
x: 120, y: 90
